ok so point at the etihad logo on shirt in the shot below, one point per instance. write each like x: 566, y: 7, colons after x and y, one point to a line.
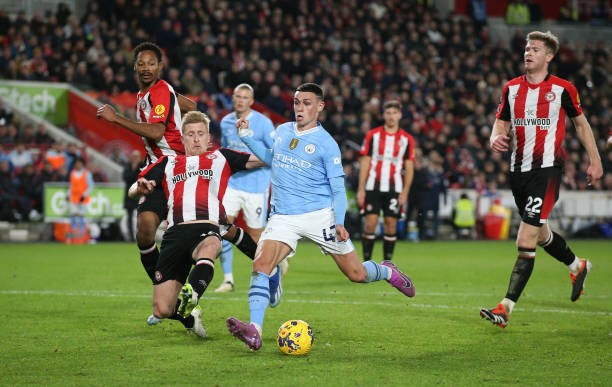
x: 203, y: 173
x: 543, y: 123
x: 291, y: 162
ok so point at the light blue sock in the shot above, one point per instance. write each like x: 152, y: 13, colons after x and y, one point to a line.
x: 227, y: 257
x: 82, y: 225
x: 259, y: 297
x: 376, y: 272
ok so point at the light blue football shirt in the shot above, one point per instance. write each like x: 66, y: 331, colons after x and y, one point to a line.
x: 254, y: 180
x: 302, y: 163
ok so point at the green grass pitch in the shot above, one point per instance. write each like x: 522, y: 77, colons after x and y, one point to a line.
x: 75, y: 315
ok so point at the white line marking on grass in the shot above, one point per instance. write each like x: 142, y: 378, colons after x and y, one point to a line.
x: 212, y: 297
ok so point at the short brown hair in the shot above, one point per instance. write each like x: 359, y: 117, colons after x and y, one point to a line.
x: 194, y: 117
x: 550, y: 40
x: 392, y: 104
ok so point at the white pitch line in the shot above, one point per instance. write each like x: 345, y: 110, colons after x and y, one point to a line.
x: 212, y: 297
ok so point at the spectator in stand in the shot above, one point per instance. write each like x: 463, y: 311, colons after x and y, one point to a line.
x: 9, y: 135
x: 9, y: 194
x: 569, y: 12
x: 517, y: 13
x: 435, y: 187
x: 72, y: 153
x: 47, y: 174
x: 418, y: 191
x: 478, y: 13
x: 4, y: 155
x: 56, y: 156
x: 4, y: 138
x: 20, y: 156
x: 27, y: 135
x: 192, y: 84
x: 535, y: 11
x: 42, y: 137
x: 32, y: 188
x: 275, y: 101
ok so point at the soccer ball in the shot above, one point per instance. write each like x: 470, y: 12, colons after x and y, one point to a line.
x: 295, y: 337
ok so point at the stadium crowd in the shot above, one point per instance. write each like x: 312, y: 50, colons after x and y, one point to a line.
x: 447, y: 72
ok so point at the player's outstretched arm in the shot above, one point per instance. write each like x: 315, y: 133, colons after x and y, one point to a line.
x: 185, y: 104
x: 154, y: 131
x: 257, y: 147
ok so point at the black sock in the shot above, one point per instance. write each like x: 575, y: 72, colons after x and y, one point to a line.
x: 367, y: 242
x: 245, y: 243
x: 388, y: 246
x: 557, y: 247
x: 186, y: 321
x: 201, y: 275
x: 148, y: 257
x: 521, y: 272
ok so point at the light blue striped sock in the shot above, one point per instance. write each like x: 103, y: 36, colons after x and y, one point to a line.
x: 227, y: 257
x: 376, y: 272
x: 259, y: 297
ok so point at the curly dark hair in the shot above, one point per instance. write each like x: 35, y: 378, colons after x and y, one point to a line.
x: 148, y: 46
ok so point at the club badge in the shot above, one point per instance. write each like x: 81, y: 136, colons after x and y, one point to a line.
x: 310, y: 148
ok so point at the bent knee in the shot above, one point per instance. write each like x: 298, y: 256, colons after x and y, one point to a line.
x: 163, y: 310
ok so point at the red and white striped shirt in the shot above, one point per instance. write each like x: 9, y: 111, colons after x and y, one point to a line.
x: 388, y: 151
x: 160, y: 104
x: 537, y: 117
x: 195, y: 185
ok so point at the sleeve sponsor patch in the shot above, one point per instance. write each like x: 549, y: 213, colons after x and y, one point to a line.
x: 159, y: 110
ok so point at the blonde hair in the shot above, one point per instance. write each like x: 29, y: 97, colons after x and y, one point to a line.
x: 244, y: 86
x: 550, y: 40
x: 194, y: 117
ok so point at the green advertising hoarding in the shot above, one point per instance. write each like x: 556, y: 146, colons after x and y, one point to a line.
x: 106, y: 201
x: 46, y: 100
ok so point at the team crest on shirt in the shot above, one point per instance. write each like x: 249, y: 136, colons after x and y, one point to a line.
x: 159, y: 110
x: 294, y: 143
x: 310, y: 148
x: 550, y: 96
x: 142, y: 104
x: 211, y: 156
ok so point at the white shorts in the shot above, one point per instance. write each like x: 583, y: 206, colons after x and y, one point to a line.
x: 254, y: 206
x: 318, y: 226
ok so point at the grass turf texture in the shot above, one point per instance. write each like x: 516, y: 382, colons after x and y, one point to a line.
x: 75, y: 315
